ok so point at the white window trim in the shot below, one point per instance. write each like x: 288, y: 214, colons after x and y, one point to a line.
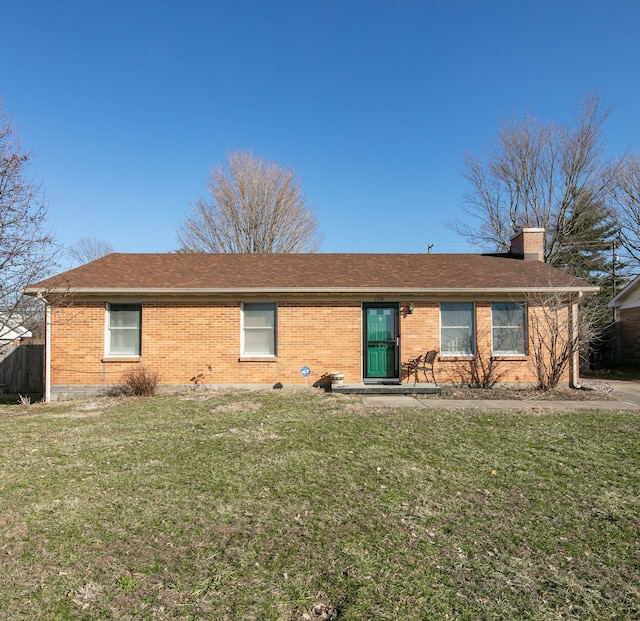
x: 524, y: 327
x: 107, y: 333
x: 446, y: 354
x: 245, y: 354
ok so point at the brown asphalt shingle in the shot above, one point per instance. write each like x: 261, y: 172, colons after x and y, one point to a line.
x: 310, y: 271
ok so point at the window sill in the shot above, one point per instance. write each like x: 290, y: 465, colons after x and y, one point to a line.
x: 122, y: 359
x: 258, y: 359
x: 514, y: 358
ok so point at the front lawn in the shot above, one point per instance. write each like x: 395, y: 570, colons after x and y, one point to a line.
x: 298, y: 505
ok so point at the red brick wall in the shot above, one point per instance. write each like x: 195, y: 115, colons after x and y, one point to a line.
x: 421, y: 332
x: 181, y: 340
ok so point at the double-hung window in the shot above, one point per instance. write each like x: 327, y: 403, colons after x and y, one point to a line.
x: 508, y: 321
x: 457, y: 329
x: 124, y: 329
x: 259, y: 327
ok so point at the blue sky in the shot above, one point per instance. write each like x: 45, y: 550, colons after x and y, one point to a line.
x: 127, y: 105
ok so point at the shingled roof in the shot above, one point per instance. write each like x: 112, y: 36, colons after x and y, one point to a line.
x: 272, y: 273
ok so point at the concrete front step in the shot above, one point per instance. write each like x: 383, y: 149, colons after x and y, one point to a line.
x: 386, y: 389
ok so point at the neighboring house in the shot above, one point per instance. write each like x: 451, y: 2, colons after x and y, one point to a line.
x: 12, y: 330
x: 21, y: 368
x: 626, y: 323
x: 230, y: 319
x: 11, y: 333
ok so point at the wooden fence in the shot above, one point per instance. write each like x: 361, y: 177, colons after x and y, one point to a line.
x: 22, y: 369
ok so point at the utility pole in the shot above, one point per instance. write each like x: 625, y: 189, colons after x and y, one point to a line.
x: 613, y: 269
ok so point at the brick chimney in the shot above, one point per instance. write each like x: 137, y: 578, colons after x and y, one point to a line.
x: 528, y: 244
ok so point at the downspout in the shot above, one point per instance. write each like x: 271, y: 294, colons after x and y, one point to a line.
x: 47, y: 348
x: 574, y: 369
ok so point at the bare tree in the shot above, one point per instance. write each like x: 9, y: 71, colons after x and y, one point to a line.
x: 27, y: 253
x: 626, y: 196
x: 88, y: 249
x: 540, y: 175
x: 255, y: 206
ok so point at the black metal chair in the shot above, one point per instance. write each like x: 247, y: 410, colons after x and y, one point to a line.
x: 424, y: 363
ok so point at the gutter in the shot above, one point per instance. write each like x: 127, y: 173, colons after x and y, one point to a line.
x: 312, y: 290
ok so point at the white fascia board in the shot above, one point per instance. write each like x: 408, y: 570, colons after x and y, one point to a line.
x: 629, y: 288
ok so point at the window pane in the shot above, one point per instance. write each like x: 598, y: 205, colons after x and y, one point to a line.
x: 457, y: 341
x: 259, y: 342
x: 508, y: 341
x: 259, y: 329
x: 508, y: 332
x: 457, y: 314
x: 259, y: 317
x: 507, y: 314
x: 457, y: 328
x: 125, y: 342
x: 124, y: 307
x: 380, y: 324
x: 124, y: 321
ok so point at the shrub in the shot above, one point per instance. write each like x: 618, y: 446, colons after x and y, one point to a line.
x: 481, y: 372
x: 140, y: 382
x: 553, y: 337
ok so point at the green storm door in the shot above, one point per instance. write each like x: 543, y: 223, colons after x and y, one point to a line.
x: 381, y: 341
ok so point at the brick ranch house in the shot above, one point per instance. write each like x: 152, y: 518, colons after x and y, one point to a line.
x: 246, y: 320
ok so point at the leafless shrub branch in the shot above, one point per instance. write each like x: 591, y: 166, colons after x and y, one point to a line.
x: 553, y: 339
x: 140, y: 382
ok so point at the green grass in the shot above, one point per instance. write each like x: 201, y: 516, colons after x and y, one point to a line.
x: 260, y: 506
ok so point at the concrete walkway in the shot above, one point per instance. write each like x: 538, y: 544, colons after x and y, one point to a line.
x: 626, y: 396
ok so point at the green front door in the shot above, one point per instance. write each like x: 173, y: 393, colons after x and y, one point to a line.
x: 381, y: 342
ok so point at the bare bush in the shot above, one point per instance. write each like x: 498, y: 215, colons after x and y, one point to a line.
x: 199, y: 379
x: 484, y: 372
x: 481, y: 371
x: 140, y: 382
x: 553, y: 337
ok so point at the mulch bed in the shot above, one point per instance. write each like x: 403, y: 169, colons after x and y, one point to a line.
x: 591, y: 391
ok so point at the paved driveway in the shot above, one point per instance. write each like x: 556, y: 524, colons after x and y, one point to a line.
x: 627, y: 392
